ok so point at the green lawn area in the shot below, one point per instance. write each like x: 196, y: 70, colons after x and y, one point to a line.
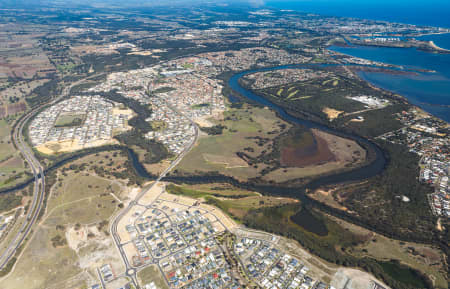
x: 200, y: 105
x: 152, y: 274
x: 70, y: 119
x: 158, y: 125
x: 66, y: 67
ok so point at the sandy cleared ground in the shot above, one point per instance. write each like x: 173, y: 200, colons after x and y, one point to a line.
x: 223, y: 218
x: 327, y: 197
x: 152, y: 194
x: 130, y: 251
x: 54, y: 147
x: 233, y: 162
x: 208, y: 120
x: 332, y: 113
x: 142, y: 53
x: 119, y: 283
x: 346, y: 278
x: 128, y: 219
x: 131, y: 195
x: 157, y: 168
x: 117, y: 110
x: 203, y: 122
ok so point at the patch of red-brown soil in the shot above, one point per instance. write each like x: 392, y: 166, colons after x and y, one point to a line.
x: 12, y: 109
x: 432, y: 257
x: 315, y: 154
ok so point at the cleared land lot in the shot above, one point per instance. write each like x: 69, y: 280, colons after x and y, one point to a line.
x: 72, y: 239
x: 152, y: 274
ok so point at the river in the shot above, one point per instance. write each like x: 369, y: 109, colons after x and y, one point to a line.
x: 369, y: 170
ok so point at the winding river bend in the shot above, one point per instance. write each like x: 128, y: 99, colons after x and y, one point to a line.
x: 369, y: 170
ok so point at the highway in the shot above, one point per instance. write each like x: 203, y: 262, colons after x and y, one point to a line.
x: 38, y: 193
x: 39, y: 178
x: 39, y: 187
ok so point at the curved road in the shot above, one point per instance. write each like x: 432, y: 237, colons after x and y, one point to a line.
x: 130, y: 271
x: 39, y: 178
x: 38, y: 194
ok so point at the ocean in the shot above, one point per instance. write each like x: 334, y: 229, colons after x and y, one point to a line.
x: 419, y: 12
x: 430, y: 91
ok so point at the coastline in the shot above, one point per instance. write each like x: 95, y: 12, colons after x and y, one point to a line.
x: 405, y: 97
x: 440, y: 49
x: 428, y: 34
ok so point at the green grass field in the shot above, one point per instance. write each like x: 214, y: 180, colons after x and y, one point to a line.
x: 158, y: 125
x: 152, y: 274
x: 71, y: 119
x: 218, y: 152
